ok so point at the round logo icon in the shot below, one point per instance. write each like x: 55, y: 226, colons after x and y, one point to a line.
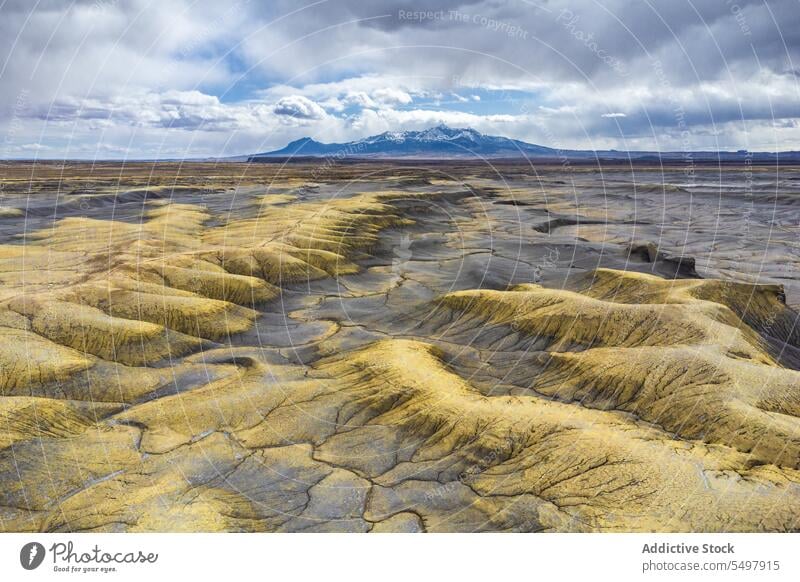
x: 31, y: 555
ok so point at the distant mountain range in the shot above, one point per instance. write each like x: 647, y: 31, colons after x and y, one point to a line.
x: 443, y: 142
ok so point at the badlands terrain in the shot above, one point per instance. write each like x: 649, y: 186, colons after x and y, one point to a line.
x: 399, y: 347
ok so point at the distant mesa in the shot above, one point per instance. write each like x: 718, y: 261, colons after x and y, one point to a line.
x: 443, y: 142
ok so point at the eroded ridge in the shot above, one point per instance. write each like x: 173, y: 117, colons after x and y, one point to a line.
x: 676, y: 353
x: 136, y: 294
x: 387, y: 437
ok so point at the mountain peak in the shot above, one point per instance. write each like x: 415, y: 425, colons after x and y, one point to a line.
x: 302, y: 141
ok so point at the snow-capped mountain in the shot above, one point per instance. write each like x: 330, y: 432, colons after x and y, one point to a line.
x: 444, y: 143
x: 435, y: 142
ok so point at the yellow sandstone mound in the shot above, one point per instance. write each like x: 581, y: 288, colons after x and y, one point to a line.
x: 386, y: 430
x: 577, y: 465
x: 90, y: 331
x: 23, y: 418
x: 137, y: 293
x: 674, y: 353
x: 28, y: 360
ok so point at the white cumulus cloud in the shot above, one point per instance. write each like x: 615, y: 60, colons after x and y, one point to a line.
x: 298, y: 107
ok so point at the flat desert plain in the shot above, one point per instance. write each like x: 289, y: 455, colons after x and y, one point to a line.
x: 399, y: 347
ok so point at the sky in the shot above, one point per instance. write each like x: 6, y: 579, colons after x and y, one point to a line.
x: 101, y: 79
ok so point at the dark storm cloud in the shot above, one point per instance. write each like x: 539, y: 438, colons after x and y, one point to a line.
x: 693, y: 39
x: 66, y: 49
x: 706, y: 59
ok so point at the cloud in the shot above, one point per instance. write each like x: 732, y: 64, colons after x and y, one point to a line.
x: 359, y: 99
x: 392, y: 96
x: 185, y: 110
x: 370, y: 121
x: 209, y: 76
x: 84, y: 49
x: 298, y: 107
x: 374, y: 99
x: 31, y: 147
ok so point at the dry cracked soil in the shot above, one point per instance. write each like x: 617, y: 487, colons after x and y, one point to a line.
x: 399, y: 348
